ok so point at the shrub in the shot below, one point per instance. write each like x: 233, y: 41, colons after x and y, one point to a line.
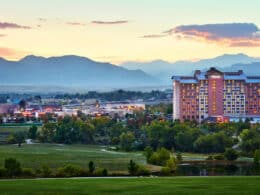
x: 142, y: 170
x: 11, y: 139
x: 172, y: 164
x: 105, y: 172
x: 28, y: 172
x: 148, y: 152
x: 132, y: 168
x: 68, y: 171
x: 231, y: 154
x: 46, y: 171
x: 91, y: 167
x: 101, y: 172
x: 219, y: 157
x: 160, y: 157
x: 165, y: 171
x: 13, y: 167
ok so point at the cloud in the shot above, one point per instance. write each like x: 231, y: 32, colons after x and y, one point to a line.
x: 151, y: 36
x: 110, y: 22
x: 3, y: 35
x: 7, y: 52
x: 76, y: 23
x: 230, y: 34
x: 5, y: 25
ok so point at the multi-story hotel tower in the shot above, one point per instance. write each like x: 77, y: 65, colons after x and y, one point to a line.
x: 215, y: 94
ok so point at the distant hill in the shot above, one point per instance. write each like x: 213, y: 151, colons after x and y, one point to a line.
x: 250, y: 69
x: 164, y: 70
x: 70, y: 71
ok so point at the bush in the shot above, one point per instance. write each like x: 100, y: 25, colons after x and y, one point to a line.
x: 165, y: 171
x: 28, y: 172
x: 11, y: 139
x: 160, y: 157
x: 172, y: 164
x: 148, y: 152
x: 142, y: 170
x: 231, y: 154
x: 69, y: 171
x: 91, y: 167
x: 46, y: 171
x: 13, y: 167
x: 101, y: 172
x: 219, y: 157
x: 132, y: 168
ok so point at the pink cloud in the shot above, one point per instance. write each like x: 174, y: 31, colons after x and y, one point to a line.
x: 7, y: 52
x: 229, y: 34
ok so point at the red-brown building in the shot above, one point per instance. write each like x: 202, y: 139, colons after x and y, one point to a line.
x: 215, y: 94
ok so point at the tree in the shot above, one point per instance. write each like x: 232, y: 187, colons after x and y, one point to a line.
x: 172, y: 164
x: 126, y: 140
x: 46, y: 171
x: 91, y: 167
x: 213, y: 143
x: 257, y: 157
x: 19, y: 137
x: 231, y: 154
x: 47, y: 132
x: 148, y: 152
x: 86, y: 132
x: 250, y: 141
x: 132, y: 168
x: 159, y: 134
x: 160, y: 157
x: 13, y: 167
x: 32, y: 132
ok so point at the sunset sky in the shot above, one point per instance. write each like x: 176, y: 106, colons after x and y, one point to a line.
x: 129, y: 30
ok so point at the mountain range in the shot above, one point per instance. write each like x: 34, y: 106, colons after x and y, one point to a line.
x: 163, y: 70
x: 80, y: 72
x: 70, y: 71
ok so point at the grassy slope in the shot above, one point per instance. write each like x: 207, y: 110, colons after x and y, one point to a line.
x: 177, y: 185
x: 55, y: 155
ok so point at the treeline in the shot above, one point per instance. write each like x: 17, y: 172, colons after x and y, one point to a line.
x: 13, y: 169
x: 140, y: 131
x: 118, y: 95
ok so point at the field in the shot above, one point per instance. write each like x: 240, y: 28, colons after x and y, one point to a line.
x: 174, y: 185
x: 56, y: 155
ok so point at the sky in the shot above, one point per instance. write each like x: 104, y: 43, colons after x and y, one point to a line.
x: 119, y: 31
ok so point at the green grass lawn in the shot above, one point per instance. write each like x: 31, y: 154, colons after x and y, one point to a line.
x: 55, y: 155
x: 174, y: 185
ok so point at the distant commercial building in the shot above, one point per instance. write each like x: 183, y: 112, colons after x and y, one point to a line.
x: 216, y: 94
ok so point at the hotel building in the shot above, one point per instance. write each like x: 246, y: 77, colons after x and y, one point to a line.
x: 216, y: 94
